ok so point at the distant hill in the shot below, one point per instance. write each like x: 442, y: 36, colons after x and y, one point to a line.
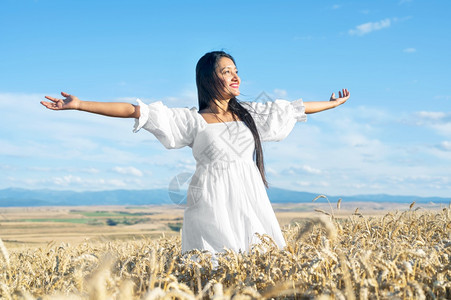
x: 22, y: 197
x: 277, y: 195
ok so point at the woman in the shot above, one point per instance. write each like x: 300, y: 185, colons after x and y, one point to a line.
x: 227, y: 201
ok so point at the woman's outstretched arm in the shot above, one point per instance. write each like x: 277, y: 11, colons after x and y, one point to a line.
x: 110, y: 109
x: 317, y: 106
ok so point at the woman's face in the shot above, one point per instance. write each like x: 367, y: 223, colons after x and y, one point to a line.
x: 228, y: 74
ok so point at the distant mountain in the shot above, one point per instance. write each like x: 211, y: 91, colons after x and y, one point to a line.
x: 22, y: 197
x: 277, y: 195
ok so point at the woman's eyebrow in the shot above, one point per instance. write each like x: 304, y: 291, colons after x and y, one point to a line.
x: 232, y: 67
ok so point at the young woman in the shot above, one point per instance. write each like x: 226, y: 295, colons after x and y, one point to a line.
x: 227, y: 201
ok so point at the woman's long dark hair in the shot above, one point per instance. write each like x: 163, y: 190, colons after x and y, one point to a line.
x: 209, y: 87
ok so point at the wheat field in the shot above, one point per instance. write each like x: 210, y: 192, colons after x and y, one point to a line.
x: 400, y: 255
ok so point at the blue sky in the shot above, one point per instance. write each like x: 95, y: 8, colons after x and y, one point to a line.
x: 393, y: 135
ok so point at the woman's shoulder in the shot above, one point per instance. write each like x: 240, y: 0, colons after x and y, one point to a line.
x: 157, y: 110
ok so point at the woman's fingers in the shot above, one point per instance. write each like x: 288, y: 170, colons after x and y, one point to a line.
x: 344, y: 93
x: 52, y: 99
x: 343, y: 96
x: 55, y: 104
x: 56, y: 99
x: 49, y: 105
x: 68, y: 102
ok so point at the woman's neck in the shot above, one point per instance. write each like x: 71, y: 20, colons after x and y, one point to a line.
x: 221, y: 106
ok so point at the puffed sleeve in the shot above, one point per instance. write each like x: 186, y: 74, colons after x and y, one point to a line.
x: 173, y: 127
x: 276, y: 119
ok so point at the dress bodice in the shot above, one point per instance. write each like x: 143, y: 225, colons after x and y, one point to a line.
x: 223, y: 142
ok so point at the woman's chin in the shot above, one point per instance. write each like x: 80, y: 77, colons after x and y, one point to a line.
x: 231, y: 94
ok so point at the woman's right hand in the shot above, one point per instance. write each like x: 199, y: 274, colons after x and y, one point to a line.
x: 70, y: 102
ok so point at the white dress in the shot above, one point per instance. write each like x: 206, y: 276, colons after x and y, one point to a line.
x: 227, y: 201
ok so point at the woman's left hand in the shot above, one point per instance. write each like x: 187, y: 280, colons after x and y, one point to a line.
x: 343, y: 96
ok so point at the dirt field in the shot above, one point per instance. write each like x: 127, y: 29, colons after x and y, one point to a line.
x: 38, y: 226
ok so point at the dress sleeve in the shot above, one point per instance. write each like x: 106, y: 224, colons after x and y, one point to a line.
x: 276, y: 119
x: 173, y: 127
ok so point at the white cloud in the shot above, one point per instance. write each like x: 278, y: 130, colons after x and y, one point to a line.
x: 442, y: 129
x: 304, y: 169
x: 125, y: 99
x: 67, y: 180
x: 10, y: 148
x: 185, y: 165
x: 63, y: 169
x: 188, y: 98
x: 271, y: 171
x: 440, y: 122
x: 315, y: 184
x: 443, y: 97
x: 431, y: 115
x: 81, y: 183
x: 76, y: 182
x: 445, y: 145
x: 128, y: 171
x: 409, y: 50
x: 117, y: 183
x: 369, y: 27
x: 311, y: 170
x: 7, y: 167
x: 280, y: 93
x: 90, y: 170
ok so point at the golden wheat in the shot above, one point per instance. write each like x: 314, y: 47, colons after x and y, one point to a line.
x: 402, y: 255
